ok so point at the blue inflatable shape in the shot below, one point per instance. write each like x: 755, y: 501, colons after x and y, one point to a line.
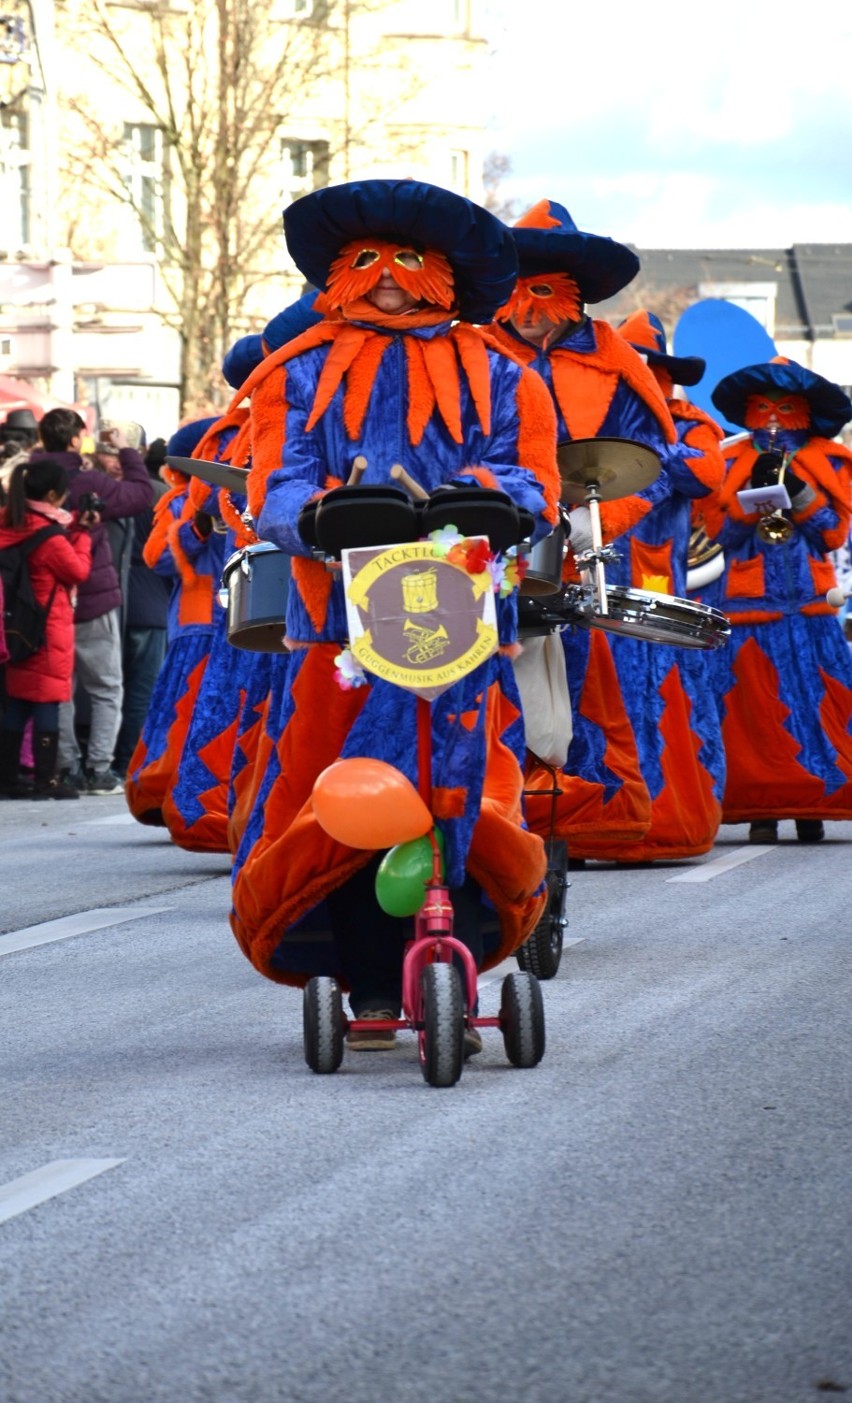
x: 727, y: 338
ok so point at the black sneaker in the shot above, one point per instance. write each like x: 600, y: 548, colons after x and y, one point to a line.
x: 103, y: 782
x: 810, y: 830
x: 764, y: 830
x: 56, y: 788
x: 75, y: 777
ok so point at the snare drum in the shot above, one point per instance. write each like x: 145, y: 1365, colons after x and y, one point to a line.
x: 654, y: 618
x: 256, y: 580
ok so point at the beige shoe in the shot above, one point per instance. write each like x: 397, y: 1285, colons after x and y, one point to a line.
x: 472, y: 1042
x: 372, y: 1039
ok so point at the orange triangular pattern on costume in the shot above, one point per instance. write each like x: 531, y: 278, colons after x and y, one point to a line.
x: 442, y: 367
x: 421, y: 396
x: 474, y: 359
x: 360, y: 381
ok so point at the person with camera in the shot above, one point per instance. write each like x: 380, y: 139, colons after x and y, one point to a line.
x: 18, y: 435
x: 97, y: 636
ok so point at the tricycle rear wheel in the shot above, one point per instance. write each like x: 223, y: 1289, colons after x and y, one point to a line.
x: 323, y: 1024
x: 522, y: 1019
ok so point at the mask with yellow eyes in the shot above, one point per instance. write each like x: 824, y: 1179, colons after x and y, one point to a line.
x: 553, y: 297
x: 790, y: 411
x: 426, y: 275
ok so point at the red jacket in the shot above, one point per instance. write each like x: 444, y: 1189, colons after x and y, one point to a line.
x: 132, y: 493
x: 63, y: 561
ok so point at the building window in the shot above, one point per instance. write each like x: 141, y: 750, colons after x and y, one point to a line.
x: 304, y: 167
x: 461, y: 16
x: 146, y: 181
x: 14, y: 179
x: 13, y: 38
x: 458, y: 171
x: 316, y: 10
x: 756, y: 298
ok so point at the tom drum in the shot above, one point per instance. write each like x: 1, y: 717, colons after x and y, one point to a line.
x: 256, y: 580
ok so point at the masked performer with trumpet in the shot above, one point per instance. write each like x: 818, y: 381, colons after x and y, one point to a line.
x: 784, y: 682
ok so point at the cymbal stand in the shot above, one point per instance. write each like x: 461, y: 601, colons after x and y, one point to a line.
x: 594, y: 561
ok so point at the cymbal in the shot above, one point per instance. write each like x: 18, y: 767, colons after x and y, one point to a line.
x: 619, y: 466
x: 217, y: 474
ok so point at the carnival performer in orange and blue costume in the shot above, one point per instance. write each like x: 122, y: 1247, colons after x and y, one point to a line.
x: 196, y: 808
x: 601, y: 388
x: 784, y: 682
x: 667, y: 688
x: 191, y: 555
x: 395, y: 374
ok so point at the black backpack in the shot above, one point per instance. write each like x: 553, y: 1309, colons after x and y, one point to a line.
x: 24, y: 619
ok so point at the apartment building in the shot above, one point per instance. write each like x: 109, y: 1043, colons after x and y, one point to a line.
x: 147, y: 148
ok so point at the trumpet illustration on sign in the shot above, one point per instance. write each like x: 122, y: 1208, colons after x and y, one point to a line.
x: 426, y: 643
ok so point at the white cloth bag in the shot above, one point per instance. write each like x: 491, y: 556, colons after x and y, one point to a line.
x: 540, y: 674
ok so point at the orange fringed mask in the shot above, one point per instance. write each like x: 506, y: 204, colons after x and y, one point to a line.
x: 791, y: 411
x: 359, y: 265
x: 554, y: 296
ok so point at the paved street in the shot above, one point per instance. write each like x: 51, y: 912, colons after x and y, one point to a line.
x: 659, y: 1213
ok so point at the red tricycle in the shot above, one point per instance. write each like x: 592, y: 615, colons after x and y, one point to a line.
x: 436, y: 1000
x: 439, y: 975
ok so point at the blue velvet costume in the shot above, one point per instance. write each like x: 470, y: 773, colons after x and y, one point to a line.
x: 288, y: 872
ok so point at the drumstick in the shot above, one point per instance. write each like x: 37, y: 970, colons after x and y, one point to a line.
x: 358, y: 466
x: 399, y: 475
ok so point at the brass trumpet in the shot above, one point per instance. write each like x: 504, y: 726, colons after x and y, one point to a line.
x: 774, y: 527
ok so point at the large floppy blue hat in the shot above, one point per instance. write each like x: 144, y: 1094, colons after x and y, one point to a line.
x: 646, y: 334
x: 480, y: 248
x: 548, y: 241
x: 186, y: 439
x: 830, y: 406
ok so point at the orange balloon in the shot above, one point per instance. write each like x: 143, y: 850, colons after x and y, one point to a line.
x: 367, y: 803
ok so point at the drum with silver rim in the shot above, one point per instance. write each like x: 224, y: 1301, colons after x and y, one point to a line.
x: 652, y: 617
x: 255, y: 581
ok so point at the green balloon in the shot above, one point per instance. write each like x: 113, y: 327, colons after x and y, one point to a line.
x: 403, y: 873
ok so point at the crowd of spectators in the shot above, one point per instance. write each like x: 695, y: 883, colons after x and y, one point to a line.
x: 116, y: 622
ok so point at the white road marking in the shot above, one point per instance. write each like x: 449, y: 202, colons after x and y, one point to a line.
x: 708, y: 870
x: 52, y: 1179
x: 80, y: 924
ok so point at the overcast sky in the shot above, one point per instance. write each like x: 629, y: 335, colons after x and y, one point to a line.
x: 722, y: 127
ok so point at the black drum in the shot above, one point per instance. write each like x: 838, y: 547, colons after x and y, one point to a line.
x: 256, y: 580
x: 350, y: 517
x: 477, y: 511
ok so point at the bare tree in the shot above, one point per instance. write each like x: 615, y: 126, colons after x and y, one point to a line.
x: 216, y: 87
x: 667, y: 303
x: 496, y: 168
